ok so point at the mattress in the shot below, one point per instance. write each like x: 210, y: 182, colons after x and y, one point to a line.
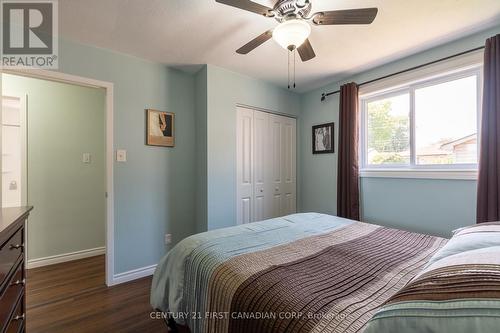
x: 299, y: 273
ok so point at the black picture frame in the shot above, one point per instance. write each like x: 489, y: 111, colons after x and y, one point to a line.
x: 328, y: 143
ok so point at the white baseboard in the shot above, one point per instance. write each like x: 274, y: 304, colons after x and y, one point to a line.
x: 60, y: 258
x: 133, y: 274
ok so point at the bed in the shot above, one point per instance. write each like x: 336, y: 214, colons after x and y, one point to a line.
x: 299, y: 273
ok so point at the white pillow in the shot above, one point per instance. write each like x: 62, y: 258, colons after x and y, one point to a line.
x: 470, y: 238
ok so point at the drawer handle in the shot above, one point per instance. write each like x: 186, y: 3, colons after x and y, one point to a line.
x: 21, y: 317
x: 18, y: 282
x: 17, y: 246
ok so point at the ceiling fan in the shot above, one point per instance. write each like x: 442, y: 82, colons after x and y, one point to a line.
x: 294, y: 29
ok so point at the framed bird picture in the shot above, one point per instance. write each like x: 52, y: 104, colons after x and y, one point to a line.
x: 160, y: 128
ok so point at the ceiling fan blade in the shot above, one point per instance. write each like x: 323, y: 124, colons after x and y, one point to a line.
x: 349, y: 16
x: 250, y: 6
x: 306, y: 51
x: 257, y: 41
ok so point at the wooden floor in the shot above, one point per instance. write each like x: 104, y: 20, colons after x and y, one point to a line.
x: 72, y: 297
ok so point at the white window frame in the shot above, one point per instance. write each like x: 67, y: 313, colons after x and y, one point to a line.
x: 414, y: 82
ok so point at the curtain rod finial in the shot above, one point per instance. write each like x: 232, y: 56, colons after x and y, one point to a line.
x: 323, y: 97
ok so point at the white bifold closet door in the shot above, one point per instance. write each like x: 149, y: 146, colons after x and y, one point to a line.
x: 266, y: 171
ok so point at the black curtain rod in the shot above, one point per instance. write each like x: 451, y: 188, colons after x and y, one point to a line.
x: 325, y: 95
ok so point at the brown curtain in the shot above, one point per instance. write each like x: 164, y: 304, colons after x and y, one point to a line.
x: 347, y: 174
x: 488, y: 192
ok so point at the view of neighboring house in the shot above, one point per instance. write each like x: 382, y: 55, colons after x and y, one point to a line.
x: 446, y: 151
x: 463, y: 150
x: 459, y: 151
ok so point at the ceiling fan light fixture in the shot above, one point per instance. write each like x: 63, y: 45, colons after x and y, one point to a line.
x: 292, y: 33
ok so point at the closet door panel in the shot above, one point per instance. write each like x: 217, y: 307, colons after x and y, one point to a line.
x: 288, y: 150
x: 246, y: 210
x: 276, y: 164
x: 260, y: 170
x: 288, y: 208
x: 277, y: 205
x: 244, y: 156
x: 276, y: 148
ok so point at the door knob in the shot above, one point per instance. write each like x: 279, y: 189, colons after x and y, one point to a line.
x: 13, y: 185
x: 261, y: 190
x: 276, y: 189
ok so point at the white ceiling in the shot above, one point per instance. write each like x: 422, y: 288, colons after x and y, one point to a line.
x: 192, y: 32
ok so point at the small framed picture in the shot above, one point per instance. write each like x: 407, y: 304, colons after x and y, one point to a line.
x: 160, y: 128
x: 322, y: 138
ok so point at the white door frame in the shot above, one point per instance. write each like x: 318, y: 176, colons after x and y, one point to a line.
x: 108, y: 86
x: 23, y: 128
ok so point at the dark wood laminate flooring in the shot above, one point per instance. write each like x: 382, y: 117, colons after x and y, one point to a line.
x: 72, y: 297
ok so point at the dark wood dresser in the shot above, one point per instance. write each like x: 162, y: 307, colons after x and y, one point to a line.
x: 12, y: 269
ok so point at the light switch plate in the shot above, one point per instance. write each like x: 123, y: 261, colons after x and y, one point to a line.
x: 86, y: 158
x: 121, y: 155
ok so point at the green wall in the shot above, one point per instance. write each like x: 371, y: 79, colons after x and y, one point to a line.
x: 63, y: 122
x: 155, y: 189
x: 429, y: 206
x: 225, y: 90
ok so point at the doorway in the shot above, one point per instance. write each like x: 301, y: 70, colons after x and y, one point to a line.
x: 65, y: 171
x: 107, y: 87
x: 64, y: 154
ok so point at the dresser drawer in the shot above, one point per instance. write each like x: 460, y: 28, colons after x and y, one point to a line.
x: 16, y: 323
x: 10, y: 251
x: 11, y: 296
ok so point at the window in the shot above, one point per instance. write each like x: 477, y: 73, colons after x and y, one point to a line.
x: 446, y: 122
x: 427, y: 125
x: 388, y: 130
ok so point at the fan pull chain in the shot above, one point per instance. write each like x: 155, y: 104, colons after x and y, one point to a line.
x: 288, y: 54
x: 294, y: 62
x: 292, y: 71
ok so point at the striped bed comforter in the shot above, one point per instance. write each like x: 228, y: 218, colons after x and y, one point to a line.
x: 458, y: 290
x: 300, y: 273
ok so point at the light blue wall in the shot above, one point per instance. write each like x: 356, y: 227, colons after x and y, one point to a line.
x: 318, y: 177
x: 155, y: 189
x: 426, y: 205
x: 433, y: 206
x: 201, y: 149
x: 226, y: 89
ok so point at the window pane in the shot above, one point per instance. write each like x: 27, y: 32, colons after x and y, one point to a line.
x: 388, y: 130
x: 446, y: 122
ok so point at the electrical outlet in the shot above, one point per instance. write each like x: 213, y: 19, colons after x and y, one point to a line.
x: 168, y: 239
